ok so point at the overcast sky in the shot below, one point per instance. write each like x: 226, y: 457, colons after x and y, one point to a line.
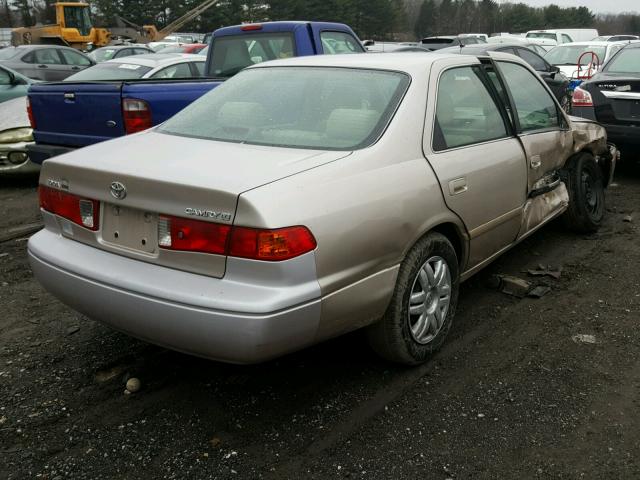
x: 597, y: 6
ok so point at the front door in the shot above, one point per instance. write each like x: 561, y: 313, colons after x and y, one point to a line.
x: 479, y: 162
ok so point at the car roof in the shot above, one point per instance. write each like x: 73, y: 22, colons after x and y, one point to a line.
x: 153, y: 60
x: 409, y: 62
x: 120, y: 47
x: 595, y: 43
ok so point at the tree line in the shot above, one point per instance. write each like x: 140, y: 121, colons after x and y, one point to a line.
x: 379, y: 19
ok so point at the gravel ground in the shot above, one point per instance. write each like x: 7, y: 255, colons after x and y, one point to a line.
x: 510, y: 395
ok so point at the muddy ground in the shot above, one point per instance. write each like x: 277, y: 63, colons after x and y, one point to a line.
x: 511, y: 394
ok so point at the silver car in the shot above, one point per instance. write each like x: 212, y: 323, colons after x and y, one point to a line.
x: 15, y: 134
x: 45, y: 62
x: 309, y: 197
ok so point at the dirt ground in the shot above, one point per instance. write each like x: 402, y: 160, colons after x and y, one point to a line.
x: 510, y: 395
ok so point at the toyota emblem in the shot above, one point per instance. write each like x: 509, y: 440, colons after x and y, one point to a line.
x: 118, y: 190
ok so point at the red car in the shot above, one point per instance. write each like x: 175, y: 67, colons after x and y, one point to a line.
x: 186, y: 48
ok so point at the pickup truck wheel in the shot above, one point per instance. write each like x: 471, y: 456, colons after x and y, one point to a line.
x: 585, y: 184
x: 423, y: 304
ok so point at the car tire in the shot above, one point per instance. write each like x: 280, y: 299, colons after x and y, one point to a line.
x: 424, y: 301
x: 585, y: 185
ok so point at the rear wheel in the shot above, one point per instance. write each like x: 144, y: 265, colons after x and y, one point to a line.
x: 423, y: 303
x: 585, y: 184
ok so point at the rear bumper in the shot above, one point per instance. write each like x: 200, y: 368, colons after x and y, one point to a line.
x: 234, y: 319
x: 38, y: 152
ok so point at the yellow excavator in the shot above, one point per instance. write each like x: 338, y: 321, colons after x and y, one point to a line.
x: 73, y: 28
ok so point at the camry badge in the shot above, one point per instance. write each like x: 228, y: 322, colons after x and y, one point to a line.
x: 118, y: 190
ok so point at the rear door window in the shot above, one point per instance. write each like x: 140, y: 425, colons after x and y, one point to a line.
x: 533, y: 59
x: 334, y: 43
x: 47, y: 56
x: 234, y: 53
x: 535, y: 107
x: 466, y: 113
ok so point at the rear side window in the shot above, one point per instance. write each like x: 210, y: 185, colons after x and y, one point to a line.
x: 74, y: 58
x: 465, y: 111
x: 566, y: 39
x: 181, y: 70
x: 334, y: 43
x: 234, y: 53
x: 535, y: 107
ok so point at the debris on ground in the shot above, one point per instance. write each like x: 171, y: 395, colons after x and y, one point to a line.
x: 72, y: 329
x: 514, y: 286
x: 539, y: 291
x: 21, y: 231
x: 133, y: 385
x: 627, y: 218
x: 583, y: 338
x: 542, y: 270
x: 102, y: 376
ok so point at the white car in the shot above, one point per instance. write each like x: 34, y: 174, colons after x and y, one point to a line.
x: 155, y: 65
x: 591, y: 56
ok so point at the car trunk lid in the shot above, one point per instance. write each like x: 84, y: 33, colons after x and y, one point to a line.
x: 168, y: 175
x: 616, y: 100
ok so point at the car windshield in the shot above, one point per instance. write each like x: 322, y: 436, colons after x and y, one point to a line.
x: 297, y: 107
x: 548, y: 36
x: 569, y: 54
x: 627, y: 61
x: 7, y: 53
x: 103, y: 54
x: 234, y: 53
x: 109, y: 71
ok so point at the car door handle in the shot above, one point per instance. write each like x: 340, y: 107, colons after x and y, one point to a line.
x: 535, y: 162
x: 42, y: 66
x: 75, y: 68
x: 458, y: 186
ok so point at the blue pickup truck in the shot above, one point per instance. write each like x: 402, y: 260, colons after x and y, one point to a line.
x: 70, y: 115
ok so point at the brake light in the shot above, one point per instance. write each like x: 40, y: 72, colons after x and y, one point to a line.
x: 176, y: 233
x: 136, y: 115
x: 82, y: 211
x: 271, y: 245
x: 581, y: 98
x: 251, y: 27
x: 32, y: 119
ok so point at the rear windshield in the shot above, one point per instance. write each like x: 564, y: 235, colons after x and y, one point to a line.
x: 103, y: 54
x: 234, y: 53
x: 297, y: 107
x: 548, y: 36
x: 627, y: 61
x: 569, y: 54
x: 109, y: 71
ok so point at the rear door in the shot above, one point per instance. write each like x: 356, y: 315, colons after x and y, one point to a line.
x: 541, y: 126
x: 76, y: 114
x: 479, y: 162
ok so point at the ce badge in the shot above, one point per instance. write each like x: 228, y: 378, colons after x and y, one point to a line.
x: 118, y: 190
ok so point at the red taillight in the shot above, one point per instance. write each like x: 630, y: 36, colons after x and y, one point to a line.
x: 176, y: 233
x: 136, y: 114
x: 250, y: 27
x: 581, y: 98
x: 83, y: 211
x: 272, y: 245
x: 32, y: 119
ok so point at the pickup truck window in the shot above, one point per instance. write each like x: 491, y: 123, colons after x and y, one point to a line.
x: 109, y: 71
x: 234, y: 53
x: 296, y: 107
x: 334, y: 43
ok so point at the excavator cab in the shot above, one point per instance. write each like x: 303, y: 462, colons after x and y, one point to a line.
x: 74, y: 15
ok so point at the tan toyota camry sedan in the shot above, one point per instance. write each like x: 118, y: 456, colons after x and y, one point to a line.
x: 309, y: 197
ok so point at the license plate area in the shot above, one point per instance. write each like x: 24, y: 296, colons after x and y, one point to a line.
x: 130, y: 228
